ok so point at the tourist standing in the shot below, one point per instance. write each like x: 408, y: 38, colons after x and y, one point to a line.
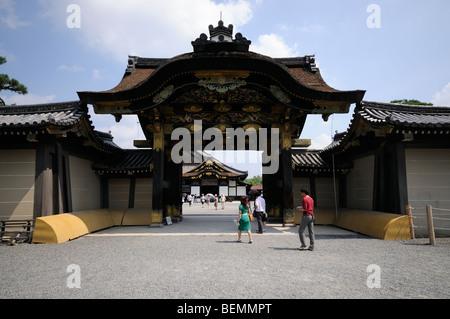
x: 260, y: 211
x: 203, y: 199
x: 307, y: 220
x: 222, y: 200
x: 244, y: 220
x: 189, y: 199
x: 216, y: 201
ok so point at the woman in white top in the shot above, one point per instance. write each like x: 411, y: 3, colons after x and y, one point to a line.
x: 222, y: 200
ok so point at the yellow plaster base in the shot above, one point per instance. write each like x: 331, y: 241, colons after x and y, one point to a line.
x: 60, y: 228
x: 374, y: 224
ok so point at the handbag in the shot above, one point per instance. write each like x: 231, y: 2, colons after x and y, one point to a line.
x: 251, y: 217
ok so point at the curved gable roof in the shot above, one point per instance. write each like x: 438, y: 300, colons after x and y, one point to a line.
x: 295, y: 82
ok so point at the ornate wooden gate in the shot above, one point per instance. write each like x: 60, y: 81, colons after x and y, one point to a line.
x: 222, y: 86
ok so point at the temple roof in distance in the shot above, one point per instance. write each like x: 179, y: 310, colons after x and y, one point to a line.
x: 211, y: 167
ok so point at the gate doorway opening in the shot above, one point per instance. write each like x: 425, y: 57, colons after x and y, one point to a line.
x: 224, y: 173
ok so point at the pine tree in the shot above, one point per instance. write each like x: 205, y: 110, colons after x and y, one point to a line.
x: 10, y: 84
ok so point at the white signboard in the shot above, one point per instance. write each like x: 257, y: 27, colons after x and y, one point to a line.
x: 223, y: 190
x: 195, y: 190
x: 241, y: 191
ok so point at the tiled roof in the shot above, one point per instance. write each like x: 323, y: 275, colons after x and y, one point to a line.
x: 139, y: 70
x: 397, y: 118
x: 41, y: 115
x: 53, y: 118
x: 313, y: 161
x: 126, y: 162
x: 309, y: 160
x: 153, y: 63
x: 404, y: 115
x: 214, y: 166
x: 144, y: 75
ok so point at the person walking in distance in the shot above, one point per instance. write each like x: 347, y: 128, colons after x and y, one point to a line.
x: 203, y: 199
x: 216, y: 201
x: 260, y: 210
x: 222, y: 200
x: 307, y: 220
x: 244, y: 220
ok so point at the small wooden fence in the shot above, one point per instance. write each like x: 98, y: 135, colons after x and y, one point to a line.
x: 430, y: 221
x: 16, y: 231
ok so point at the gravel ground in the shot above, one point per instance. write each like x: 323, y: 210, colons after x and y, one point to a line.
x: 199, y: 259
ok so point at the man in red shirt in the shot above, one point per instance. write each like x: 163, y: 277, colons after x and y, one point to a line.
x: 307, y: 220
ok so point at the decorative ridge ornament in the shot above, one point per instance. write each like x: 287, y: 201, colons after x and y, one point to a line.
x: 221, y: 33
x: 221, y: 39
x: 222, y: 81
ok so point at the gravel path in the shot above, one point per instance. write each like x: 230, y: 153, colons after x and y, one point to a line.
x: 199, y: 258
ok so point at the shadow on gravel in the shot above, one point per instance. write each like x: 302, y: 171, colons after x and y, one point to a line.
x: 282, y: 248
x: 349, y: 236
x: 228, y: 242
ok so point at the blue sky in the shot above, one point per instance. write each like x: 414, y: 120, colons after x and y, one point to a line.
x: 406, y: 54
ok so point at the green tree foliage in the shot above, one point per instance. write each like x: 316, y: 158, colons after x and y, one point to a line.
x: 10, y: 84
x: 255, y: 181
x: 411, y: 102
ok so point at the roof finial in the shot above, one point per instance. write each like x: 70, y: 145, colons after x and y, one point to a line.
x: 220, y: 15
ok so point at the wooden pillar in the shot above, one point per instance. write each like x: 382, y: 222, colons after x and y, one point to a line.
x: 402, y: 185
x: 272, y: 195
x: 132, y: 192
x: 173, y: 183
x: 43, y: 194
x: 62, y: 191
x: 395, y: 191
x: 272, y: 184
x: 104, y: 192
x: 158, y: 174
x: 67, y: 181
x: 342, y: 191
x: 287, y: 178
x: 410, y: 220
x: 390, y: 192
x: 431, y: 225
x: 313, y: 190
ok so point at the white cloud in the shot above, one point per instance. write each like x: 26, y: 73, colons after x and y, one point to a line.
x: 8, y: 15
x: 124, y: 132
x: 313, y: 28
x: 320, y: 142
x: 150, y: 28
x: 74, y: 68
x: 274, y: 46
x: 305, y: 28
x: 442, y: 98
x: 28, y: 99
x: 96, y: 74
x: 6, y: 53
